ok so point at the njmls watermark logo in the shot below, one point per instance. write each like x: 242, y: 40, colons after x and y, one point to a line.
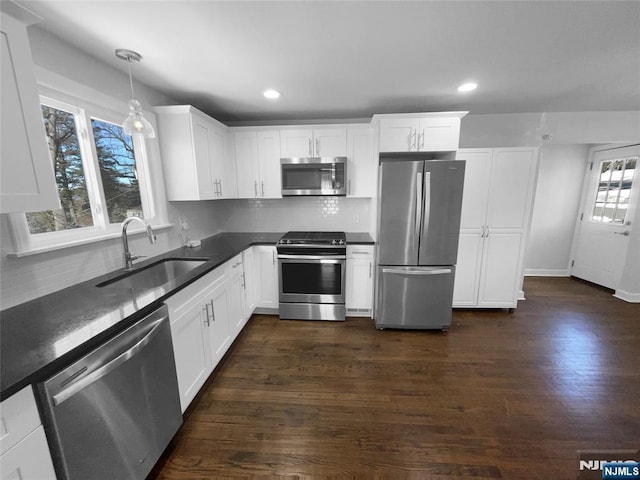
x: 608, y: 465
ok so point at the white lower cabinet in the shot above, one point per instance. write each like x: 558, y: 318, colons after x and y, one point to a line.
x: 266, y: 275
x: 205, y: 319
x: 235, y: 295
x: 25, y: 452
x: 218, y: 320
x: 249, y: 281
x: 359, y: 280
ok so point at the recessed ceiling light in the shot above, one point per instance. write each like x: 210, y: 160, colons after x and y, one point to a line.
x: 467, y: 87
x: 271, y: 93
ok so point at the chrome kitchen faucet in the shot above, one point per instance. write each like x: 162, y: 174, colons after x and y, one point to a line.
x: 128, y: 257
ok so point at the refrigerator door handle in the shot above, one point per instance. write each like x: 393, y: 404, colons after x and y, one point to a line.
x: 416, y: 226
x: 427, y: 201
x: 439, y: 271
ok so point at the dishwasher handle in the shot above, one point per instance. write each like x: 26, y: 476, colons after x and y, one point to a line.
x: 109, y: 366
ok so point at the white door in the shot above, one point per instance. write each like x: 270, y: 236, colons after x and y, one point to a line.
x: 269, y: 164
x: 609, y: 205
x: 296, y: 143
x: 191, y: 350
x: 330, y: 142
x: 246, y: 149
x: 266, y: 263
x: 361, y: 162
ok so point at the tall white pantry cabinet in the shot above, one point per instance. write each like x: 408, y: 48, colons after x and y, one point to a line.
x: 496, y: 212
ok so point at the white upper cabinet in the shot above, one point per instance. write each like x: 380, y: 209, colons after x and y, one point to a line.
x: 361, y: 162
x: 257, y: 156
x: 419, y: 132
x: 27, y: 181
x: 313, y: 142
x: 195, y: 152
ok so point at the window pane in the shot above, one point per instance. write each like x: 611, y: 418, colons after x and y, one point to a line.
x: 64, y: 149
x: 117, y: 170
x: 614, y: 188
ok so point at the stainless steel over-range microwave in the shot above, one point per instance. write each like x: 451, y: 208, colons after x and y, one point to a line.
x: 314, y: 176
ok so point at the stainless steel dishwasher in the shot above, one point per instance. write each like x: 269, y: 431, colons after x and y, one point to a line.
x: 111, y: 414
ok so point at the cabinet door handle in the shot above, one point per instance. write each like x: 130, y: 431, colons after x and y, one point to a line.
x: 244, y: 282
x: 220, y: 186
x: 213, y: 311
x: 370, y: 269
x: 273, y: 257
x: 206, y: 314
x: 349, y: 187
x: 263, y: 188
x: 310, y: 148
x: 317, y: 147
x: 255, y: 188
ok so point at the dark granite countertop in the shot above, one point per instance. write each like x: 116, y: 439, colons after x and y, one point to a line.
x: 42, y: 336
x: 359, y: 239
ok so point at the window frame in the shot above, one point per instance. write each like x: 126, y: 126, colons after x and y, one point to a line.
x: 26, y: 243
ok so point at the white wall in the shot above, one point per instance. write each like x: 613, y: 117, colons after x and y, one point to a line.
x: 571, y: 134
x: 526, y: 129
x: 557, y: 200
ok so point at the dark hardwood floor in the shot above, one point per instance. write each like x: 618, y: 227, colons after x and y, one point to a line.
x: 502, y: 395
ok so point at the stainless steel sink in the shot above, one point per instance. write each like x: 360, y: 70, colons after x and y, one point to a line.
x: 156, y: 274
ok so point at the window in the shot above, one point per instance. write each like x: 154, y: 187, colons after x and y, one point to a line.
x: 613, y: 190
x: 101, y: 174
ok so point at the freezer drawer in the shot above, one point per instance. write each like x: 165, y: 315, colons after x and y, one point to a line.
x: 414, y: 297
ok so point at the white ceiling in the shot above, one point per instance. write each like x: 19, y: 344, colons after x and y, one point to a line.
x: 350, y: 59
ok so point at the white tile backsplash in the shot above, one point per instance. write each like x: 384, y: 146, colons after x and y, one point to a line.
x: 23, y: 279
x: 299, y: 213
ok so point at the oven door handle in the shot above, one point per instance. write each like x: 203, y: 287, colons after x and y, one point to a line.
x: 312, y: 257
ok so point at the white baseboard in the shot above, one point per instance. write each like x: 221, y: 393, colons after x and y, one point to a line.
x: 627, y: 296
x: 544, y: 272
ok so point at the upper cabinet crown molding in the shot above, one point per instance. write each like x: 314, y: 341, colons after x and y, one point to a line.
x: 418, y: 132
x: 26, y: 171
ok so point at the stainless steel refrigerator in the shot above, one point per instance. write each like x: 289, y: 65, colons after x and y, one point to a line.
x: 418, y: 229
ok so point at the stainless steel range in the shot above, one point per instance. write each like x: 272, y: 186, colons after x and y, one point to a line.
x: 312, y: 275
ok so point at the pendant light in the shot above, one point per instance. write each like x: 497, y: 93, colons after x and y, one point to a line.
x: 135, y: 122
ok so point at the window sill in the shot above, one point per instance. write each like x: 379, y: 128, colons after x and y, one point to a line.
x: 83, y: 241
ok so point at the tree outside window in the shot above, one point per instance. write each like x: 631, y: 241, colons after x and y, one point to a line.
x: 116, y: 165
